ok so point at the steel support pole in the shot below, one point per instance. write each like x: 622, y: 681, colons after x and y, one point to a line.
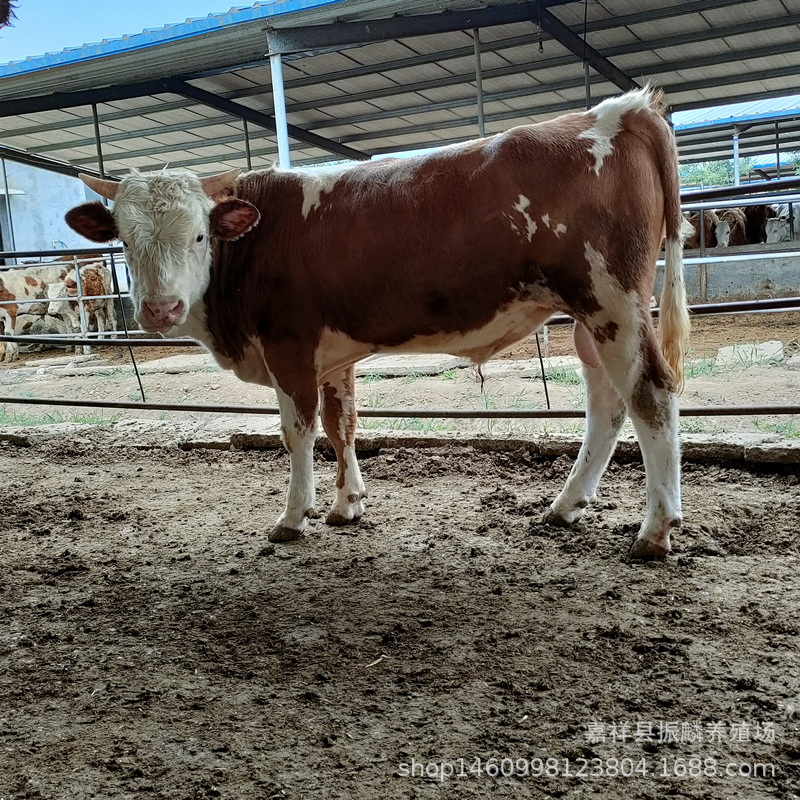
x: 279, y: 106
x: 247, y: 145
x: 476, y: 39
x: 98, y: 143
x: 9, y: 218
x: 587, y: 85
x: 777, y: 152
x: 736, y: 156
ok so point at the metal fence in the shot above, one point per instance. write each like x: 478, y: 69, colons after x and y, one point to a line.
x: 132, y: 338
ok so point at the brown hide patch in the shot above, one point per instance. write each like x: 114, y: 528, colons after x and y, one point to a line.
x: 292, y: 365
x: 606, y: 333
x: 31, y: 281
x: 332, y: 411
x: 11, y: 309
x: 656, y: 374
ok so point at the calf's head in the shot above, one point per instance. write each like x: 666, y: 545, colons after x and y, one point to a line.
x: 165, y: 221
x: 723, y: 233
x: 777, y: 230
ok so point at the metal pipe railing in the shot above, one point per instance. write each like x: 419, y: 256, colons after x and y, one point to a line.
x: 399, y: 413
x: 702, y: 309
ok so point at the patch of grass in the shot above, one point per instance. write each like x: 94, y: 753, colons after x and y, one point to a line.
x: 788, y: 430
x: 694, y: 368
x: 12, y: 417
x: 112, y: 372
x: 566, y: 376
x: 744, y: 357
x: 371, y: 377
x: 410, y: 424
x: 699, y: 425
x: 412, y: 376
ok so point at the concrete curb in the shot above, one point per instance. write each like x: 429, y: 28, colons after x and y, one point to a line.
x: 265, y: 434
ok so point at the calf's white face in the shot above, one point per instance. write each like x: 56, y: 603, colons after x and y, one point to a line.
x: 723, y: 231
x: 777, y: 230
x: 165, y: 221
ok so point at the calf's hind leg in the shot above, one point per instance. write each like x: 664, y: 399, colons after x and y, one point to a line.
x: 339, y: 422
x: 605, y: 413
x: 646, y: 384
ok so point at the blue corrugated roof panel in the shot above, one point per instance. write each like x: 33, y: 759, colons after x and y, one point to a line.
x: 152, y: 36
x: 774, y: 108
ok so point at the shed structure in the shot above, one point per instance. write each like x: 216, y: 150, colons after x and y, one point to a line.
x: 324, y: 80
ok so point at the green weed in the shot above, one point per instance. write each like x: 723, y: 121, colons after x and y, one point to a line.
x: 788, y: 430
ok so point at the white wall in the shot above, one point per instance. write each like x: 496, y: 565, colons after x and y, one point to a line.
x: 38, y: 213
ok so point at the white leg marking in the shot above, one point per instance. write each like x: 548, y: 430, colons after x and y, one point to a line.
x: 662, y: 463
x: 299, y: 441
x: 349, y: 503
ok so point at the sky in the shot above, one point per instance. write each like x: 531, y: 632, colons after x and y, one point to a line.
x: 48, y: 26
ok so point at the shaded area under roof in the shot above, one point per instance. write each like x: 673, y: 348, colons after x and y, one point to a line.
x: 365, y: 77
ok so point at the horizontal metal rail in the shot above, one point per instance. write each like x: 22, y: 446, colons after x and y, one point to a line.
x: 53, y: 254
x: 63, y: 340
x: 399, y: 413
x: 759, y: 188
x: 772, y: 305
x: 742, y: 201
x: 30, y: 301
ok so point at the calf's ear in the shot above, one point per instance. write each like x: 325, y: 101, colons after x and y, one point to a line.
x: 94, y: 221
x: 232, y: 219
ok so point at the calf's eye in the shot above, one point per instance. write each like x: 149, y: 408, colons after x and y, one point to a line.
x: 200, y: 238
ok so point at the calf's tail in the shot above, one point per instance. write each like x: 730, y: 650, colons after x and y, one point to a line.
x: 674, y: 317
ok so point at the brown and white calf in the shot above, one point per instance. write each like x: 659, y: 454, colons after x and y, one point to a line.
x: 731, y: 228
x: 710, y: 220
x: 289, y: 277
x: 95, y: 286
x: 18, y: 287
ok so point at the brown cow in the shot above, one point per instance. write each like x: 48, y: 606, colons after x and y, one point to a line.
x: 731, y: 228
x: 297, y: 274
x: 757, y: 217
x: 710, y: 221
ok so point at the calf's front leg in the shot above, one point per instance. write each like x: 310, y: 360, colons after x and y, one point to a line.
x: 339, y: 421
x: 298, y: 430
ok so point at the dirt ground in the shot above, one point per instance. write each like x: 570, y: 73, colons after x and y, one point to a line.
x: 153, y: 644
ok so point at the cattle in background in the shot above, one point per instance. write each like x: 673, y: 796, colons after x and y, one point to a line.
x: 757, y: 217
x: 731, y: 228
x: 95, y: 282
x: 289, y: 277
x: 710, y: 221
x: 778, y: 229
x: 18, y: 286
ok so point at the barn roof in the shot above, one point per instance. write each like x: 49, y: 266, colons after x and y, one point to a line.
x: 365, y: 77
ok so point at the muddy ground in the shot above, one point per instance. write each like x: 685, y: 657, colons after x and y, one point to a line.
x: 154, y: 644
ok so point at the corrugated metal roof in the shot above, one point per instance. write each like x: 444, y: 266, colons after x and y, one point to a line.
x: 192, y: 27
x: 737, y: 113
x: 411, y: 91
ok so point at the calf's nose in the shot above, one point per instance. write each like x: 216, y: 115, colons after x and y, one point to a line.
x: 163, y: 312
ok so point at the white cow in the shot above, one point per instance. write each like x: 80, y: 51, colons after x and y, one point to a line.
x: 777, y: 229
